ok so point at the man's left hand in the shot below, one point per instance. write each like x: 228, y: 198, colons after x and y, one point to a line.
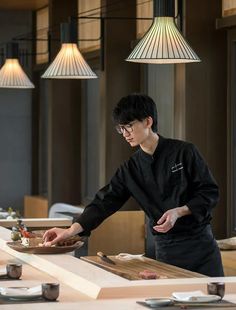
x: 169, y: 218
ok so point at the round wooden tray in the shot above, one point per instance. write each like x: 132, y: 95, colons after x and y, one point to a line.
x: 17, y: 246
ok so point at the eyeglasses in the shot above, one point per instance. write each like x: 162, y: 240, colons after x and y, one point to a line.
x: 128, y: 128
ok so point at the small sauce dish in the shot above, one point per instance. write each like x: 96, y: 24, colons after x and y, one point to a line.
x: 158, y: 302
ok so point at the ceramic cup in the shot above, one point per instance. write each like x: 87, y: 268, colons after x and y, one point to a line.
x: 50, y: 291
x: 14, y: 271
x: 216, y: 288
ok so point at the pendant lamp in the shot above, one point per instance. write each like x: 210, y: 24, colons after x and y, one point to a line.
x: 163, y: 43
x: 69, y: 62
x: 11, y: 73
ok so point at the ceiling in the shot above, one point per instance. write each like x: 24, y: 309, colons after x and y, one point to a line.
x: 22, y: 4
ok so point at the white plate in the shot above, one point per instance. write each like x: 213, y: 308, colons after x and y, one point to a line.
x: 20, y: 293
x: 158, y: 302
x: 198, y: 299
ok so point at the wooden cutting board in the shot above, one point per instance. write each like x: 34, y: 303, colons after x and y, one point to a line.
x: 130, y: 269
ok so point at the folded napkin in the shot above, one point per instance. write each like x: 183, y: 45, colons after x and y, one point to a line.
x: 188, y: 296
x: 21, y: 291
x: 127, y: 256
x: 3, y: 271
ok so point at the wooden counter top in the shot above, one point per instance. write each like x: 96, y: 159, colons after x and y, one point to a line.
x: 97, y: 283
x: 114, y: 304
x: 33, y: 277
x: 38, y: 222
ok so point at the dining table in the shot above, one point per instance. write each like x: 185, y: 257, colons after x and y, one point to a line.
x: 85, y: 285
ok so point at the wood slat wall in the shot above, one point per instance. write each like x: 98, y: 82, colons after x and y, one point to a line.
x: 35, y: 207
x: 122, y: 232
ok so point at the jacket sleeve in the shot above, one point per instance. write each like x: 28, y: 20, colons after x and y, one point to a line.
x: 107, y: 201
x: 204, y: 193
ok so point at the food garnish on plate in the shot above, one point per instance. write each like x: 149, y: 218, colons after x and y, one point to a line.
x: 35, y: 238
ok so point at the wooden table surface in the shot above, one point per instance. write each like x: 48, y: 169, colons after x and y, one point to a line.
x: 85, y: 286
x: 129, y: 269
x: 68, y: 298
x: 33, y: 277
x: 38, y: 222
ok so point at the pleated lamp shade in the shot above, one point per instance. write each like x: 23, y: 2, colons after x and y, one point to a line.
x: 11, y: 73
x: 13, y: 76
x: 69, y: 64
x: 163, y: 43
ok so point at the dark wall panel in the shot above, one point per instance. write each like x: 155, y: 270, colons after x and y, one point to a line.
x: 15, y: 122
x: 206, y: 108
x: 118, y: 79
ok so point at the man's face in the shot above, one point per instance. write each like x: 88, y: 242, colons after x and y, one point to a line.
x: 136, y: 132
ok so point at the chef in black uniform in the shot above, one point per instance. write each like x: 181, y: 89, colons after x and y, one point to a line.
x: 172, y: 184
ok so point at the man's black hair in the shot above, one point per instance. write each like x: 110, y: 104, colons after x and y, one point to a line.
x: 135, y: 106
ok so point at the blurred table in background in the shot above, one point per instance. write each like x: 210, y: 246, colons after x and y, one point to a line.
x: 38, y: 223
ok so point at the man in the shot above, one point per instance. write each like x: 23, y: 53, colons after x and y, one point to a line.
x: 172, y: 184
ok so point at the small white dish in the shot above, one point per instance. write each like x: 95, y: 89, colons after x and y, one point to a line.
x: 158, y: 302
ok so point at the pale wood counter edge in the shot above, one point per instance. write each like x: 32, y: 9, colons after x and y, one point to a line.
x: 38, y: 222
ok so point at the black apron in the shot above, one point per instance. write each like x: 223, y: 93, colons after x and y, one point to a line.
x: 196, y: 251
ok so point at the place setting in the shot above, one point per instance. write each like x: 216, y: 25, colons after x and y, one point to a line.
x: 45, y: 292
x: 192, y: 299
x: 20, y: 294
x: 11, y: 271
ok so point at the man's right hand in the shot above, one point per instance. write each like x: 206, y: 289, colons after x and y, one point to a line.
x: 54, y: 235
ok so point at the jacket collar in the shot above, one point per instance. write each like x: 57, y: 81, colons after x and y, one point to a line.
x: 154, y: 156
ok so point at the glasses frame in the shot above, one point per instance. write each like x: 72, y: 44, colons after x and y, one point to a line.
x: 128, y: 127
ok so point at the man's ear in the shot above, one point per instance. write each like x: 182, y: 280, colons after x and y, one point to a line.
x: 149, y: 121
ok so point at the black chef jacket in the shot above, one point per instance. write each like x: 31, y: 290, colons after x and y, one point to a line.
x: 175, y: 175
